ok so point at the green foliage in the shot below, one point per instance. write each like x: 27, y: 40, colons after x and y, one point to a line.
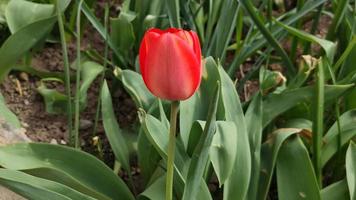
x: 303, y: 109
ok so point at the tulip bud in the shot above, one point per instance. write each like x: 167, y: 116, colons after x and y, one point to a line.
x: 170, y: 63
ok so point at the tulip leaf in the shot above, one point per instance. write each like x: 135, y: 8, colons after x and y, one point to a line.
x: 27, y: 31
x: 112, y: 129
x: 201, y: 151
x: 336, y: 190
x: 196, y: 107
x: 22, y: 41
x: 276, y: 104
x: 156, y: 191
x: 37, y: 188
x: 122, y: 33
x: 21, y: 13
x: 157, y: 135
x: 90, y: 70
x: 135, y: 86
x: 173, y: 12
x: 328, y: 46
x: 269, y: 153
x: 348, y: 131
x: 351, y: 169
x: 55, y: 101
x: 7, y: 115
x: 231, y: 110
x: 65, y: 179
x: 223, y: 150
x: 293, y: 163
x: 254, y: 126
x: 224, y: 29
x: 68, y: 161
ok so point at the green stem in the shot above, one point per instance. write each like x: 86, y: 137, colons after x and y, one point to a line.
x: 77, y: 91
x: 67, y: 74
x: 171, y: 150
x: 318, y: 122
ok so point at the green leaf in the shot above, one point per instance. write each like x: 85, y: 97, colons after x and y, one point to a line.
x: 22, y: 41
x: 201, y: 151
x: 55, y: 101
x: 173, y: 12
x: 196, y: 107
x: 21, y: 13
x: 269, y: 153
x: 7, y: 115
x: 37, y: 188
x: 90, y: 70
x: 3, y: 5
x: 134, y: 85
x: 224, y: 29
x: 156, y: 191
x: 157, y: 135
x: 122, y: 32
x: 328, y: 46
x: 351, y: 169
x: 348, y: 131
x: 64, y: 179
x: 223, y: 150
x: 258, y: 42
x: 336, y: 190
x: 254, y: 126
x: 293, y: 163
x: 231, y: 110
x: 68, y: 161
x: 276, y: 104
x: 112, y: 129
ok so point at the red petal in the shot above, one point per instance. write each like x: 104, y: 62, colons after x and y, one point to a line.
x: 172, y: 69
x: 148, y: 43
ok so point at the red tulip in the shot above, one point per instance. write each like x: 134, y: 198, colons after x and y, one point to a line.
x: 170, y: 63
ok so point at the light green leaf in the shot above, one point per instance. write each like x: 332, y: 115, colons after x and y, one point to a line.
x: 336, y: 190
x: 21, y: 13
x: 90, y: 70
x: 293, y: 163
x: 231, y: 110
x: 135, y: 86
x: 196, y: 107
x: 22, y: 41
x: 122, y: 32
x: 351, y: 169
x: 201, y: 151
x: 269, y: 153
x: 254, y: 126
x: 68, y: 161
x: 6, y: 114
x: 31, y: 187
x: 112, y: 129
x: 348, y: 131
x: 223, y: 150
x: 276, y: 104
x: 328, y: 46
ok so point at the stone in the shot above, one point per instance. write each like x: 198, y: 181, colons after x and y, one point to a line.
x: 10, y: 135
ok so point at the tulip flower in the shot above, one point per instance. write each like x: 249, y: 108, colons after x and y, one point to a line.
x: 170, y: 63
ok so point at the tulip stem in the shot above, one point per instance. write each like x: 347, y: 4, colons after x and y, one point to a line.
x: 171, y: 150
